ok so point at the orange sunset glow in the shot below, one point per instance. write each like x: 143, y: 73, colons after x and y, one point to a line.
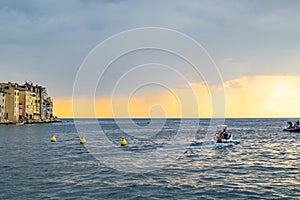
x: 251, y: 96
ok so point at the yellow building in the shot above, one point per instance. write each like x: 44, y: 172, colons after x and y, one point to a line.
x: 29, y: 108
x: 11, y: 101
x: 22, y: 102
x: 28, y: 104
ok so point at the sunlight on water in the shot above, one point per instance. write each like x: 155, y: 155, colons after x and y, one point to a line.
x: 264, y: 165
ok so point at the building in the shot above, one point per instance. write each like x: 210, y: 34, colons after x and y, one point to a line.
x: 2, y: 105
x: 30, y: 102
x: 44, y: 96
x: 46, y: 105
x: 22, y: 101
x: 37, y: 105
x: 25, y: 102
x: 33, y: 101
x: 11, y: 101
x: 49, y: 108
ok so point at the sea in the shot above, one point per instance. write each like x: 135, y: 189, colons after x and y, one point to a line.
x: 163, y: 159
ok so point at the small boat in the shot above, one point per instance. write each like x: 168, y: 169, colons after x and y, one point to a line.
x: 291, y: 127
x: 222, y: 136
x: 20, y: 123
x: 294, y: 129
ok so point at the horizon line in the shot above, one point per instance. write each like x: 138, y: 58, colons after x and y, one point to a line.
x: 178, y: 118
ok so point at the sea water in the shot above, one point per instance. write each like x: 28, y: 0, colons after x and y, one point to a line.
x: 163, y: 159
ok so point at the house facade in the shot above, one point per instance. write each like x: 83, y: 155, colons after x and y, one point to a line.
x: 11, y: 101
x: 25, y: 102
x: 2, y: 105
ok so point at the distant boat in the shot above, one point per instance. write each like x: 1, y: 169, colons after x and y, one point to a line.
x: 20, y: 123
x: 222, y: 136
x: 295, y: 129
x: 292, y: 127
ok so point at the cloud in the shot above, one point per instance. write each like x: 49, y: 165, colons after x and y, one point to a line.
x: 262, y: 96
x: 250, y: 96
x: 46, y: 41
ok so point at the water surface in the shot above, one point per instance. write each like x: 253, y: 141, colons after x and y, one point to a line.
x: 265, y: 165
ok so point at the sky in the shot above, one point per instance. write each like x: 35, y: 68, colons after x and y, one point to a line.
x: 254, y: 45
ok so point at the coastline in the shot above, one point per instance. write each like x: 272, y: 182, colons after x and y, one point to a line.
x: 30, y: 122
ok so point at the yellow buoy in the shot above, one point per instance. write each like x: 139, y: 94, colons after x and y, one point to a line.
x: 123, y: 142
x: 82, y: 140
x: 53, y: 138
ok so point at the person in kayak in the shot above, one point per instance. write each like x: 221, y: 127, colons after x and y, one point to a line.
x: 218, y: 136
x: 290, y: 125
x: 222, y: 134
x: 225, y: 134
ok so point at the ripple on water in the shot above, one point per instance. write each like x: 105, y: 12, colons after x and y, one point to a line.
x: 265, y: 165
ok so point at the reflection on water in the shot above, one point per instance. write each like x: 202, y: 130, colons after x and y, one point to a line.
x: 265, y: 165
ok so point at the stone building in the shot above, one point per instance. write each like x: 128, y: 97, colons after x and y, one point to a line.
x: 25, y: 102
